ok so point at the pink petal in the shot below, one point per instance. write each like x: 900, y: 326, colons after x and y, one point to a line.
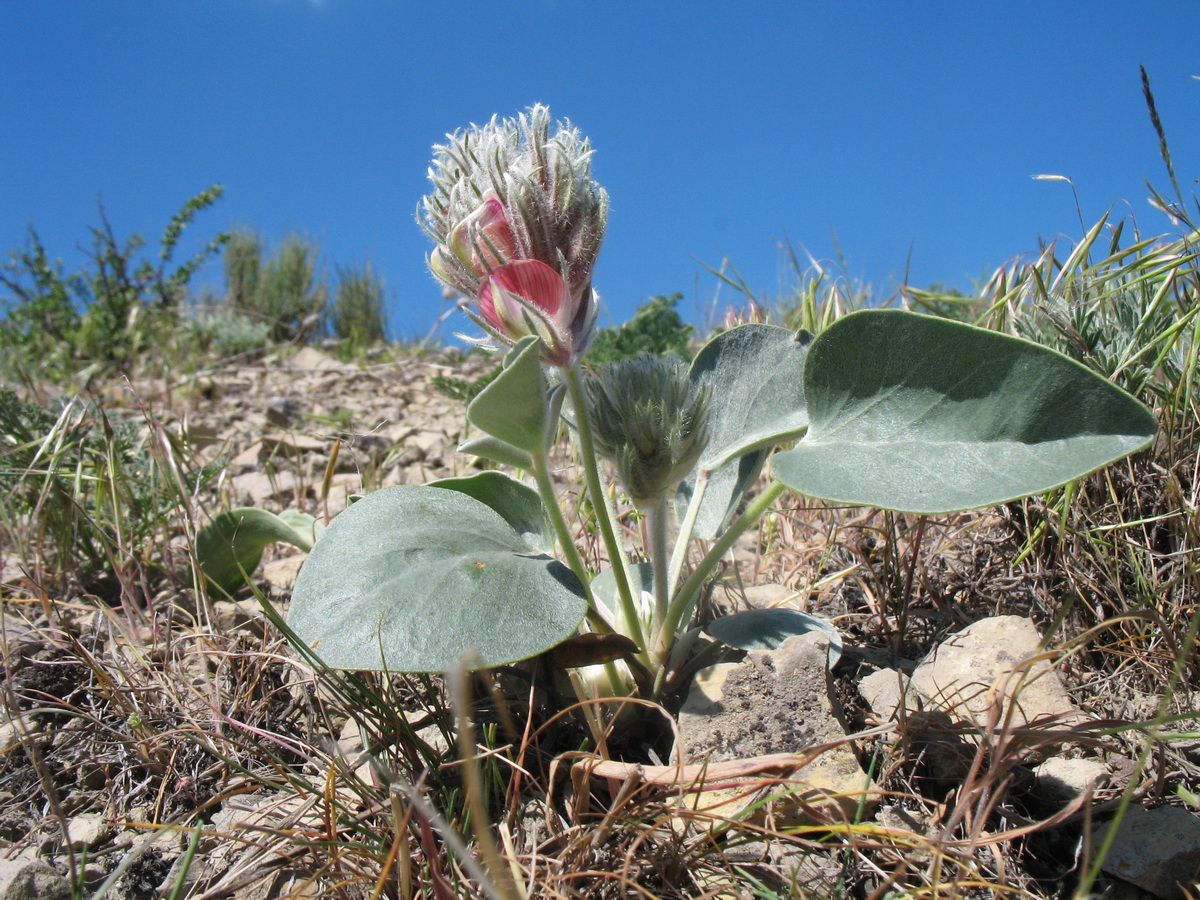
x: 487, y: 309
x: 490, y: 213
x: 530, y: 279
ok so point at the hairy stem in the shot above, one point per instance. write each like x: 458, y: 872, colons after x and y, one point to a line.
x: 656, y: 531
x: 686, y: 527
x: 690, y: 589
x: 604, y: 514
x: 598, y: 618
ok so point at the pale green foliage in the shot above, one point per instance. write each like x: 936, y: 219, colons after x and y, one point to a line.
x: 227, y: 332
x: 903, y: 411
x: 513, y: 407
x: 494, y: 597
x: 357, y: 312
x: 230, y: 547
x: 756, y: 374
x: 919, y: 414
x: 285, y: 290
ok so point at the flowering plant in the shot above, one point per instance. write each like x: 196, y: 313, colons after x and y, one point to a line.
x: 884, y: 408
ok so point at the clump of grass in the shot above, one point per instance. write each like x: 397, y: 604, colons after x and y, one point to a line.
x: 816, y: 295
x: 357, y: 314
x: 90, y: 495
x: 284, y: 289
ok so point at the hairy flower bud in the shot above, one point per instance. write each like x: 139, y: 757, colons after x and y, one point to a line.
x: 507, y: 193
x: 650, y: 422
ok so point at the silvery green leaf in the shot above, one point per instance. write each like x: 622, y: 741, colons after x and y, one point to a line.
x: 920, y: 414
x: 230, y: 547
x: 514, y: 406
x: 496, y: 450
x: 724, y: 492
x: 756, y: 373
x: 417, y: 578
x: 766, y: 629
x: 517, y: 503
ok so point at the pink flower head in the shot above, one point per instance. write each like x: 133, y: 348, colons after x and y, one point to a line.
x: 529, y: 297
x: 511, y: 192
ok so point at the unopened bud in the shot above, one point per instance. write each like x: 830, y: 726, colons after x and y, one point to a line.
x: 649, y: 421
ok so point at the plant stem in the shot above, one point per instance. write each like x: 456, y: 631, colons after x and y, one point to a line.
x: 656, y: 531
x: 686, y: 595
x: 605, y: 516
x: 686, y: 527
x: 598, y: 618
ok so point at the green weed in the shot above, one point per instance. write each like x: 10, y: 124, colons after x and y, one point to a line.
x: 111, y: 311
x: 655, y: 328
x: 357, y: 315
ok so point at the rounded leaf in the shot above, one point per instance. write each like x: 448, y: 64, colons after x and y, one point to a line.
x: 417, y: 578
x: 924, y: 415
x: 516, y: 503
x: 757, y: 377
x: 230, y: 547
x: 766, y: 629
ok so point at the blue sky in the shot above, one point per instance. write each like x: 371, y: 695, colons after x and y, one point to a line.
x: 910, y: 130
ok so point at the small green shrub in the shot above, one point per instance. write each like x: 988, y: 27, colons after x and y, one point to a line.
x: 285, y: 291
x: 357, y: 313
x: 42, y: 317
x: 110, y: 311
x: 655, y: 328
x: 227, y: 332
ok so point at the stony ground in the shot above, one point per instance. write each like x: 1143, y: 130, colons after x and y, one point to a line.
x: 390, y: 425
x: 971, y: 733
